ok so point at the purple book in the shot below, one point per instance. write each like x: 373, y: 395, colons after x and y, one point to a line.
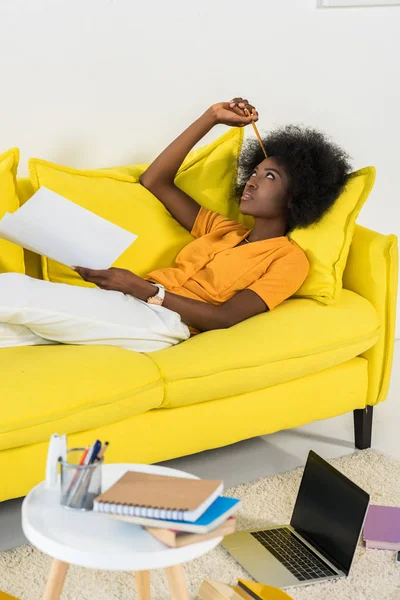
x: 382, y: 528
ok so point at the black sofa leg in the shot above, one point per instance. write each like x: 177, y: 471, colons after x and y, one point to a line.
x: 363, y: 427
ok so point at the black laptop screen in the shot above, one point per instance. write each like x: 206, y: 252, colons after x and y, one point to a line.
x: 329, y: 511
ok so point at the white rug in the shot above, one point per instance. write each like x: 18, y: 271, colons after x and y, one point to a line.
x: 374, y: 576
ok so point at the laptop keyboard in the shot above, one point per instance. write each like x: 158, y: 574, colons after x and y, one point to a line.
x: 293, y: 554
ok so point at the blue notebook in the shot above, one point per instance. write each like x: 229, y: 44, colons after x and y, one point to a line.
x: 217, y: 513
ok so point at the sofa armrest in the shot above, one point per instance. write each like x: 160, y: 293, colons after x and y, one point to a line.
x: 371, y: 272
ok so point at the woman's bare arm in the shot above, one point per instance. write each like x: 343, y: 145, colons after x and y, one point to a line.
x: 205, y: 317
x: 160, y: 176
x: 196, y: 314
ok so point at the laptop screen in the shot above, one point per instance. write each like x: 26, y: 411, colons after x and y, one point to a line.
x: 330, y: 511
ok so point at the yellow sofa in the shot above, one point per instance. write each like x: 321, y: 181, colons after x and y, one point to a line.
x: 302, y: 362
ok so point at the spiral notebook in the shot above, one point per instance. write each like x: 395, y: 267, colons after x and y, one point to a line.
x: 139, y: 494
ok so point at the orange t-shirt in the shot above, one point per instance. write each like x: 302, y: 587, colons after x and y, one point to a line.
x: 213, y: 268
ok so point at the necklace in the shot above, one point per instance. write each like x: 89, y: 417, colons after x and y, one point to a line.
x: 246, y: 240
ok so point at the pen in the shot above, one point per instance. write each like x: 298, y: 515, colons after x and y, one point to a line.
x: 83, y: 487
x: 84, y: 455
x: 102, y: 451
x: 93, y: 452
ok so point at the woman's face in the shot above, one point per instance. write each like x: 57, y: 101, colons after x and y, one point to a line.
x: 267, y: 192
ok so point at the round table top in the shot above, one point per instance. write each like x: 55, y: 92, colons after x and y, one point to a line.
x: 90, y: 539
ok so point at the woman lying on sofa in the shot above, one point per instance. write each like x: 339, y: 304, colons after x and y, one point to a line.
x: 226, y: 275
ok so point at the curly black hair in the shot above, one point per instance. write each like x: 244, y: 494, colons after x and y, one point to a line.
x: 317, y: 168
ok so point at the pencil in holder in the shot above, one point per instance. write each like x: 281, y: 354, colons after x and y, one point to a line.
x: 80, y: 484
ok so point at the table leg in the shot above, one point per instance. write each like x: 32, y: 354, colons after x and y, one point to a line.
x: 55, y: 580
x: 176, y: 582
x: 143, y: 585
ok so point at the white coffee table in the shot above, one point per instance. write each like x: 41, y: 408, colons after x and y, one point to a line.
x: 92, y: 540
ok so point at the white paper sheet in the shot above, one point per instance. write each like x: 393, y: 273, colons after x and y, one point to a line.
x: 55, y: 227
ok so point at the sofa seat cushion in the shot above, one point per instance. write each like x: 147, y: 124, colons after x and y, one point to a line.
x: 298, y: 338
x: 65, y: 389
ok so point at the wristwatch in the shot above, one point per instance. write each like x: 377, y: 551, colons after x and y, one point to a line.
x: 159, y: 297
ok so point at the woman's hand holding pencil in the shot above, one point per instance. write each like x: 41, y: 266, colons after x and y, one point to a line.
x: 240, y: 106
x: 232, y: 113
x: 238, y: 113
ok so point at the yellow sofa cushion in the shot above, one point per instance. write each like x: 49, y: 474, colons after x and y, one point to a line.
x: 72, y: 388
x: 11, y: 255
x: 106, y: 194
x: 297, y: 338
x: 327, y: 243
x: 115, y: 195
x: 208, y: 174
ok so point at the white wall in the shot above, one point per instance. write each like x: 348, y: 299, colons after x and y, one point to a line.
x: 102, y: 82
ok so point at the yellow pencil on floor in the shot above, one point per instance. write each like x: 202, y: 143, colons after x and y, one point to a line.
x: 4, y: 596
x: 244, y: 590
x: 252, y: 589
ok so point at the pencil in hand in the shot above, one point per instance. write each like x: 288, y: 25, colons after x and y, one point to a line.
x: 246, y: 112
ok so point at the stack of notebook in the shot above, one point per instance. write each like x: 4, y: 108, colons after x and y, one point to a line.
x: 175, y: 510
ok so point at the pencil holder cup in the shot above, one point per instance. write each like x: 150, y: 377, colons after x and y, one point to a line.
x: 80, y: 484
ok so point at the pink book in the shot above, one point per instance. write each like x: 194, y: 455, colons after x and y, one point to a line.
x: 382, y: 528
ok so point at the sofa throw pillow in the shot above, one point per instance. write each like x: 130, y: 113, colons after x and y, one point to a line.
x: 327, y: 243
x: 207, y: 174
x: 11, y: 255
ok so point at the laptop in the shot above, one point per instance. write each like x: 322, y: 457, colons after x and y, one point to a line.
x: 321, y: 540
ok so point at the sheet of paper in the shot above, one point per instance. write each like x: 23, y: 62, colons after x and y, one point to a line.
x: 55, y: 227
